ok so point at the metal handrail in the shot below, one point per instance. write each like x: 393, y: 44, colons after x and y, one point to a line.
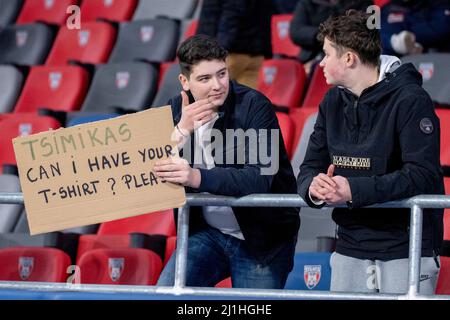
x: 416, y: 204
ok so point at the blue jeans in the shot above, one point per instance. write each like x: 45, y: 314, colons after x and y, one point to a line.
x: 214, y: 256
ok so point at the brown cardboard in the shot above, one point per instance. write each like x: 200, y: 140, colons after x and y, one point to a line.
x: 121, y: 185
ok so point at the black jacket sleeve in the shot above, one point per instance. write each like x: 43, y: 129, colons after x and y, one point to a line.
x: 317, y: 157
x: 420, y: 151
x: 232, y: 181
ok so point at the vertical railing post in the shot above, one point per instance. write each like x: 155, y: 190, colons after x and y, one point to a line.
x: 182, y: 246
x: 415, y: 250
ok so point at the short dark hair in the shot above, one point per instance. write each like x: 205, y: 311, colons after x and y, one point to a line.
x: 198, y: 48
x: 350, y: 31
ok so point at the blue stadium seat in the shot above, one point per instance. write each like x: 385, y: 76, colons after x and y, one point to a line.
x: 9, y: 9
x: 170, y: 86
x: 9, y: 213
x: 178, y: 9
x: 10, y: 86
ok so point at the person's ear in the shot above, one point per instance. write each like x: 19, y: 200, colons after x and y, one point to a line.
x: 184, y: 81
x: 351, y: 59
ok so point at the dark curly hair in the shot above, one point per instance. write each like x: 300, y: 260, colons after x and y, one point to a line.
x: 350, y: 31
x: 198, y: 48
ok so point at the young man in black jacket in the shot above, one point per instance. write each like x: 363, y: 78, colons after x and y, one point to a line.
x: 255, y: 246
x: 376, y: 139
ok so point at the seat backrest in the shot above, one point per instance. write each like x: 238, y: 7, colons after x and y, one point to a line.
x: 14, y: 125
x: 317, y: 89
x: 25, y: 44
x: 434, y: 68
x: 129, y: 266
x: 89, y: 242
x: 76, y: 118
x: 312, y: 271
x: 9, y: 213
x: 159, y: 222
x: 170, y: 86
x: 281, y: 41
x: 90, y: 44
x: 128, y: 85
x: 443, y: 284
x: 9, y: 10
x: 444, y: 119
x: 49, y: 11
x: 188, y: 28
x: 111, y: 10
x: 61, y: 88
x: 10, y: 87
x: 178, y: 9
x: 287, y: 130
x: 282, y: 81
x: 33, y: 264
x: 149, y: 40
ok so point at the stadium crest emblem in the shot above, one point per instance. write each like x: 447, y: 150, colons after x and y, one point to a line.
x: 49, y: 4
x: 54, y: 79
x: 283, y: 29
x: 25, y: 129
x: 115, y: 268
x: 426, y: 69
x: 83, y: 37
x: 122, y: 79
x: 21, y: 38
x: 312, y: 274
x: 147, y: 33
x: 26, y: 265
x: 269, y: 74
x: 108, y: 3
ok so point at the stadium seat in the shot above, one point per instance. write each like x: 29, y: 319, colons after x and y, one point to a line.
x: 282, y: 81
x: 380, y: 3
x: 129, y: 266
x: 444, y: 119
x: 10, y: 87
x: 225, y: 283
x: 91, y: 44
x: 14, y: 125
x: 149, y: 9
x: 287, y: 130
x: 9, y: 10
x: 33, y: 264
x: 129, y: 85
x: 443, y: 284
x: 155, y: 243
x: 160, y: 222
x: 312, y: 271
x: 76, y: 118
x: 148, y: 40
x: 60, y: 88
x: 9, y: 213
x: 121, y: 10
x: 436, y: 77
x: 48, y: 11
x: 300, y: 116
x: 170, y: 86
x: 25, y: 44
x: 188, y: 28
x: 282, y: 44
x: 317, y: 89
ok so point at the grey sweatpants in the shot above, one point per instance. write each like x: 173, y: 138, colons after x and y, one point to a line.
x: 369, y: 276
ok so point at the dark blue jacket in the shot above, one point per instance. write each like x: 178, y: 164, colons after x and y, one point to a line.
x: 428, y: 20
x: 266, y: 230
x: 387, y: 144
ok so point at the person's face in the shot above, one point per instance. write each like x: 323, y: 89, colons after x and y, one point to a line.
x: 208, y: 79
x: 333, y: 65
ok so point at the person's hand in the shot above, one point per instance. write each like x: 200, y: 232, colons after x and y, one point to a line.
x: 178, y: 170
x: 342, y: 194
x: 405, y: 43
x: 195, y: 114
x: 323, y: 185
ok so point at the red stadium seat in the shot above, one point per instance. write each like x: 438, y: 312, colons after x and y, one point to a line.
x: 33, y: 264
x: 444, y: 117
x: 281, y: 41
x: 299, y: 117
x: 88, y: 242
x: 129, y: 266
x: 14, y: 125
x: 191, y: 29
x: 111, y: 10
x: 91, y: 44
x: 160, y: 222
x: 50, y: 11
x: 443, y: 284
x: 171, y: 244
x: 287, y: 130
x: 380, y: 3
x: 282, y: 81
x: 225, y: 283
x: 447, y: 211
x: 316, y: 89
x: 60, y: 88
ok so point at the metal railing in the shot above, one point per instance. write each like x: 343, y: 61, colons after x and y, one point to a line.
x: 416, y: 204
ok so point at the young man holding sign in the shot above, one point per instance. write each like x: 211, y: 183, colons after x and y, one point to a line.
x: 255, y: 246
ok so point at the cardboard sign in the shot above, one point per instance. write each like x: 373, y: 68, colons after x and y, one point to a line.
x: 97, y: 172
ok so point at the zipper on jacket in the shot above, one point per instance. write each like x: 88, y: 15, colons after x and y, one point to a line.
x: 355, y: 120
